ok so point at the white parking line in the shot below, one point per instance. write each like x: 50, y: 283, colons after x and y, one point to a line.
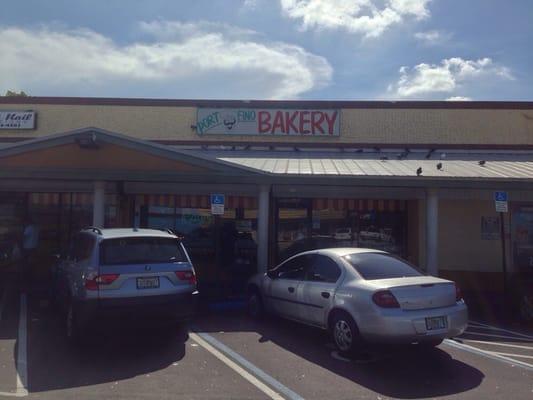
x: 22, y: 364
x: 245, y: 368
x: 467, y: 332
x: 517, y: 346
x: 513, y: 355
x: 495, y: 328
x: 488, y: 354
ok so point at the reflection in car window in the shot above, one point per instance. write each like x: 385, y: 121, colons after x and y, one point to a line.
x: 323, y: 269
x: 373, y: 266
x: 292, y: 269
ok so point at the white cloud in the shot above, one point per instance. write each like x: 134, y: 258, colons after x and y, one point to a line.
x: 446, y: 77
x: 367, y: 17
x: 432, y: 38
x: 205, y: 59
x: 459, y: 98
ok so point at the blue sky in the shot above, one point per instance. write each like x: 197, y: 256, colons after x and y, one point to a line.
x: 269, y: 49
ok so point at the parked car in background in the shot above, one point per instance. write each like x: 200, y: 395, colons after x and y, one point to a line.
x: 360, y: 295
x: 343, y: 234
x: 116, y: 273
x: 306, y: 244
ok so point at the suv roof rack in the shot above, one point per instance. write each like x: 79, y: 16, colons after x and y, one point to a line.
x: 167, y: 230
x: 94, y: 229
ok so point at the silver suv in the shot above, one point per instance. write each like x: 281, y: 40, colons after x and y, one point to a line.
x: 124, y: 272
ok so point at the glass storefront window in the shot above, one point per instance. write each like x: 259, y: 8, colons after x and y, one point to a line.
x: 223, y: 248
x: 522, y: 238
x: 12, y: 213
x: 305, y: 224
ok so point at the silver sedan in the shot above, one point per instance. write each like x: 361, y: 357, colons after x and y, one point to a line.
x: 360, y: 295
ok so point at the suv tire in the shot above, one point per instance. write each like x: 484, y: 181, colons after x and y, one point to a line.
x: 72, y: 328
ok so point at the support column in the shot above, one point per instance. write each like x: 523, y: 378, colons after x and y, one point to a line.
x: 262, y: 228
x: 432, y: 232
x: 99, y: 204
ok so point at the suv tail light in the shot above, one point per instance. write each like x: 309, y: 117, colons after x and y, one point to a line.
x: 188, y: 276
x: 458, y: 293
x: 92, y: 282
x: 385, y: 299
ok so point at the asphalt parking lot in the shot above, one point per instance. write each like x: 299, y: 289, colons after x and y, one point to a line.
x: 226, y: 355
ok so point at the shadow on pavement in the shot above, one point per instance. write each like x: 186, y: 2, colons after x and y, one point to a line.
x: 113, y: 354
x: 400, y: 372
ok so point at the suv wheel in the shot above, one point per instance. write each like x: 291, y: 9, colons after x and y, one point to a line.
x: 72, y: 331
x: 255, y: 305
x: 345, y: 333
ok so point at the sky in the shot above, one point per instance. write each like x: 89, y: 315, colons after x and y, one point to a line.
x: 269, y: 49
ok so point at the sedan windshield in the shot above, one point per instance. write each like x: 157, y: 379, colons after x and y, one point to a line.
x: 140, y: 250
x: 373, y: 266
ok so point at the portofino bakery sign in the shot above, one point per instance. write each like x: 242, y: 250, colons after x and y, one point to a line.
x: 268, y: 122
x: 17, y: 119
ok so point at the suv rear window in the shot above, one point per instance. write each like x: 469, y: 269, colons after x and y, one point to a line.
x: 373, y: 266
x: 140, y: 250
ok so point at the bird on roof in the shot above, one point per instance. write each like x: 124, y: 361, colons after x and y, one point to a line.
x: 419, y: 171
x: 482, y: 162
x: 439, y: 166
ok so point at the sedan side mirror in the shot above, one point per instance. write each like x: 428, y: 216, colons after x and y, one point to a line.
x: 272, y: 274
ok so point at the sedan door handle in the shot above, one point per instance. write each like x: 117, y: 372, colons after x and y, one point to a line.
x: 325, y: 295
x: 291, y: 289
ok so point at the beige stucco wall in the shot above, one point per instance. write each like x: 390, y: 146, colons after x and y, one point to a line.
x: 460, y: 245
x: 402, y: 126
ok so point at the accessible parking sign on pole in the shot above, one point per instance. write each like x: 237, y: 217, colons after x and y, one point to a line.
x: 217, y: 204
x: 500, y: 201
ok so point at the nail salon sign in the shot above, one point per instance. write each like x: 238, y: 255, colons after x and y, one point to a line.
x: 268, y: 122
x: 17, y: 119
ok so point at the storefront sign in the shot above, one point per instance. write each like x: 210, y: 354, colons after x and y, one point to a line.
x: 257, y: 121
x: 490, y: 228
x: 217, y: 204
x: 500, y: 200
x: 17, y: 119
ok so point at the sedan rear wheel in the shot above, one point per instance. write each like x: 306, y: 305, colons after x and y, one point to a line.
x: 255, y: 305
x: 345, y: 333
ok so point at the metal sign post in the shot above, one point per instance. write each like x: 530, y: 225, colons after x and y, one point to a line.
x: 500, y: 199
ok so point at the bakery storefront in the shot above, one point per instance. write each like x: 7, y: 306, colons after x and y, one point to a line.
x: 416, y: 179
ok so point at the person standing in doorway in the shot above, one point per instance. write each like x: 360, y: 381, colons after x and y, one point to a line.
x: 30, y: 241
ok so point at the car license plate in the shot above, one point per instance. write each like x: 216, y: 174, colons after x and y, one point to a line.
x: 148, y: 283
x: 435, y: 323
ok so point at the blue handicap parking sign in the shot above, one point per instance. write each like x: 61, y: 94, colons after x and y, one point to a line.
x: 217, y: 199
x: 500, y: 196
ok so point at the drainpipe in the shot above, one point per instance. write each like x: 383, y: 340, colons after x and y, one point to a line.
x: 262, y: 228
x: 99, y: 204
x: 432, y: 232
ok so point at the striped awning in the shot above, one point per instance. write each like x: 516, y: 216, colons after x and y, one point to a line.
x: 359, y: 204
x: 194, y: 201
x: 53, y: 199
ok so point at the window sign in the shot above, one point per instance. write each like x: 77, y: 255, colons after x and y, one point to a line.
x: 490, y: 228
x: 268, y: 122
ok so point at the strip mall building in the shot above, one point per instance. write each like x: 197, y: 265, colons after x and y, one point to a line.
x: 414, y: 178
